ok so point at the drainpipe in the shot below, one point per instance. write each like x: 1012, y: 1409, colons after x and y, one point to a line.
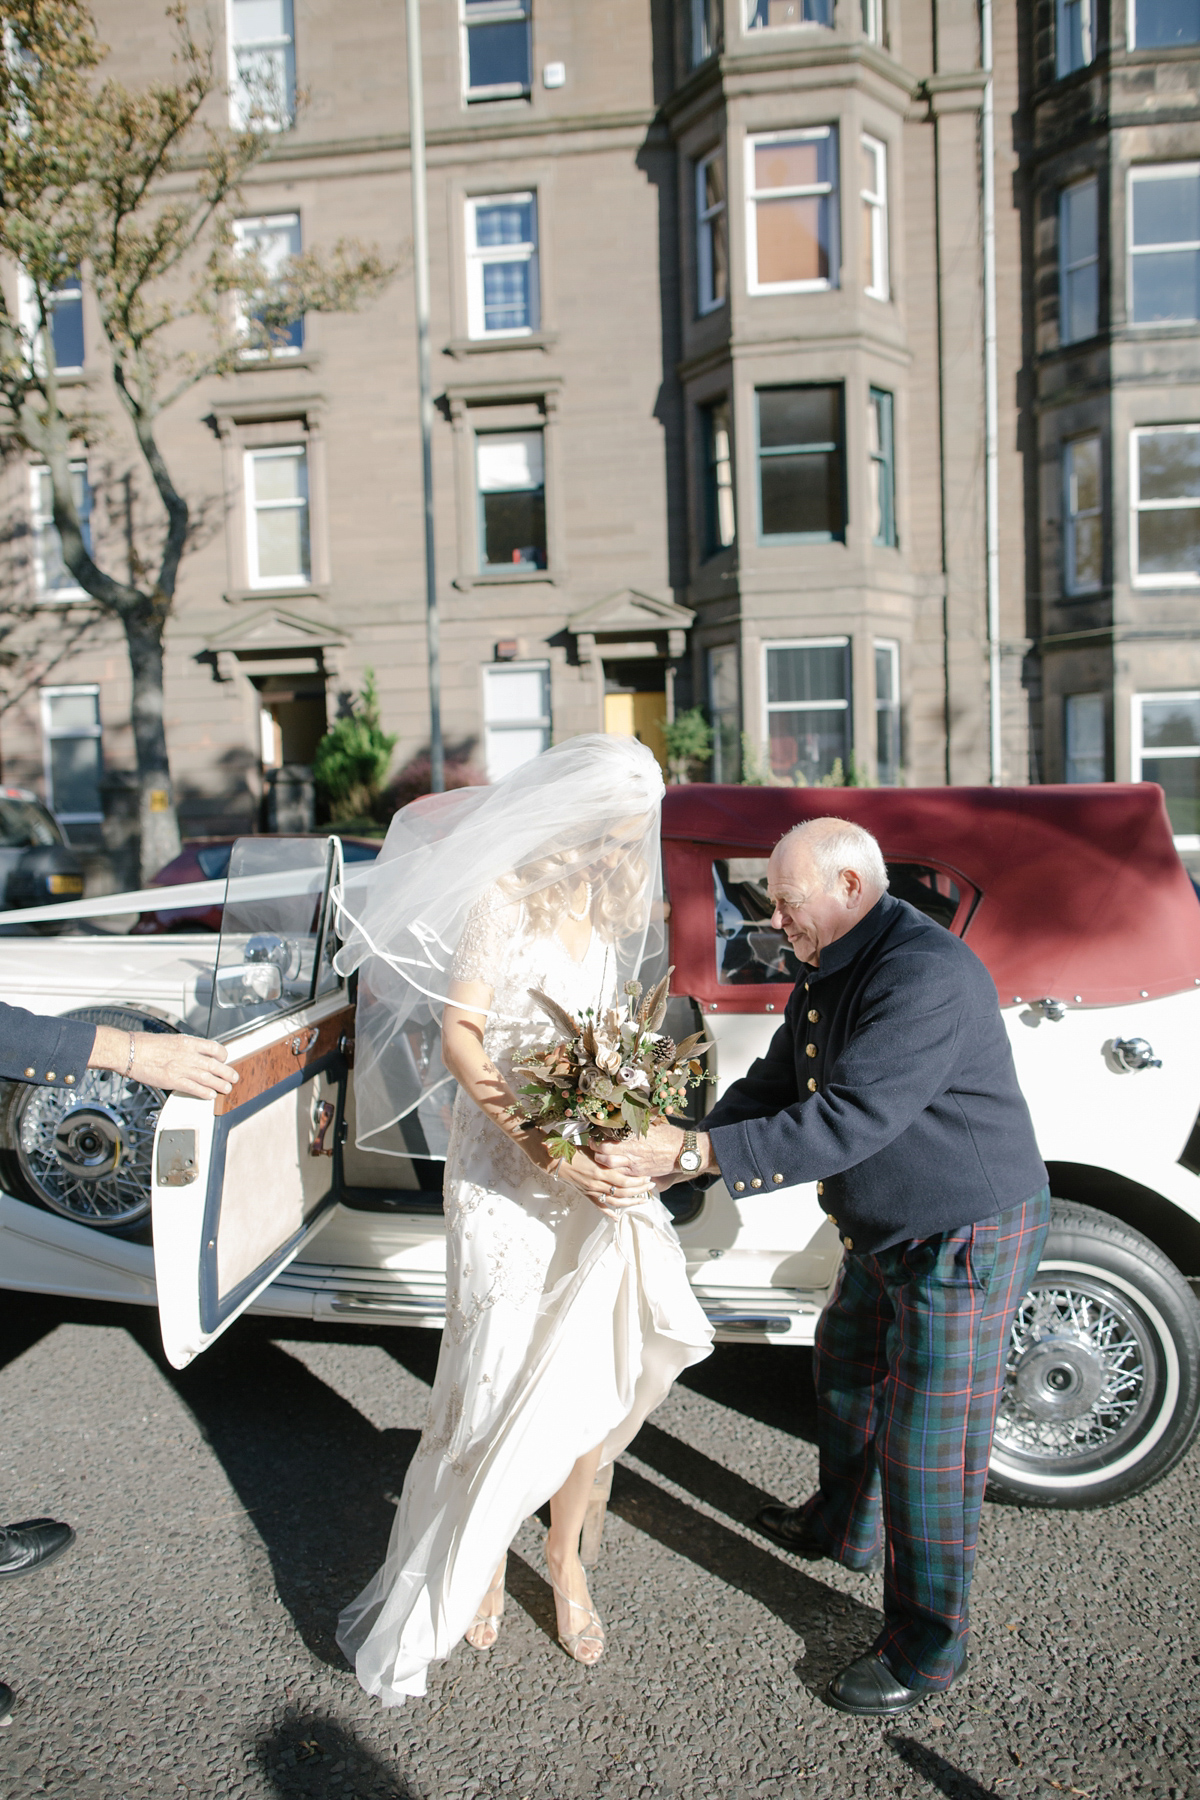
x: 990, y: 399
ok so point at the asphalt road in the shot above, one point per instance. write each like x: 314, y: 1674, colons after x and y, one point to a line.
x: 183, y: 1650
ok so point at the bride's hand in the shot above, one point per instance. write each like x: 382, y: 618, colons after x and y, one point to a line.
x: 607, y: 1190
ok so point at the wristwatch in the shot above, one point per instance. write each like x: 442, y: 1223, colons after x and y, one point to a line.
x: 689, y: 1159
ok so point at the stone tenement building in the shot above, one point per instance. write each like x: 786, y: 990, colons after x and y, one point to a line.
x: 710, y: 305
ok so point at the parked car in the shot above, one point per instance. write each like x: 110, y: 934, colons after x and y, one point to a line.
x: 1074, y: 898
x: 207, y: 859
x: 37, y: 865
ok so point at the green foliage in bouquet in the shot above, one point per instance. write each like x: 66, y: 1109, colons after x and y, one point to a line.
x: 611, y: 1076
x: 352, y: 759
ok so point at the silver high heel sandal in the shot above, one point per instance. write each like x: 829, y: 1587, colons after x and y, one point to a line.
x: 574, y: 1642
x: 487, y: 1621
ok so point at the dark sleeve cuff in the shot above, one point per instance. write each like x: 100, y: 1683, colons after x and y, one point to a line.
x: 740, y: 1169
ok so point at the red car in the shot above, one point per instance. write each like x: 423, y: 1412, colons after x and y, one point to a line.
x: 207, y: 859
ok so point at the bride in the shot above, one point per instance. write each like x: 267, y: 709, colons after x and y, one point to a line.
x: 568, y: 1309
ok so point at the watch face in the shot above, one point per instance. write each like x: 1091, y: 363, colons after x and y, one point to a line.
x: 689, y: 1160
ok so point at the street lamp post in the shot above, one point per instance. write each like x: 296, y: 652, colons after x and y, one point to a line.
x: 420, y: 218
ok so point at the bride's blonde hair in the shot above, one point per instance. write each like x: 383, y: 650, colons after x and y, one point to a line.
x: 618, y: 900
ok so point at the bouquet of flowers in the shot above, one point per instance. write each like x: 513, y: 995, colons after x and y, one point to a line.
x: 611, y: 1075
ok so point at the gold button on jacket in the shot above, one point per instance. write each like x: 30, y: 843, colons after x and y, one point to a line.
x: 756, y: 1182
x: 738, y: 1186
x: 820, y: 1187
x: 814, y: 1017
x: 849, y: 1243
x: 810, y: 1049
x: 777, y: 1178
x: 29, y: 1074
x: 49, y: 1074
x: 70, y: 1080
x: 812, y: 1086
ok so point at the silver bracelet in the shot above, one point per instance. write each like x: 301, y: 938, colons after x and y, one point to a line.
x: 132, y: 1053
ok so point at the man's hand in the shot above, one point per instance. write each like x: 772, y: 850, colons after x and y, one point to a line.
x: 653, y: 1157
x: 163, y: 1059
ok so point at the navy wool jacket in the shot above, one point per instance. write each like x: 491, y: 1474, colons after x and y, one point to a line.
x: 44, y: 1050
x: 891, y: 1083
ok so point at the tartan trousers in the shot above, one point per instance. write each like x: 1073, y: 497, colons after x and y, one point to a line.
x: 909, y: 1367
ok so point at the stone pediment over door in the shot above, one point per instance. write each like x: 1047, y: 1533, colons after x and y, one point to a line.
x: 272, y: 635
x: 630, y: 624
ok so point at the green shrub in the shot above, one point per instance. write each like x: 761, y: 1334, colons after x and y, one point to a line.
x: 688, y: 739
x: 351, y: 763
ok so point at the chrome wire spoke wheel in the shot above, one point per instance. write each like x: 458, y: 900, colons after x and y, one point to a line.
x: 86, y: 1151
x: 1080, y: 1378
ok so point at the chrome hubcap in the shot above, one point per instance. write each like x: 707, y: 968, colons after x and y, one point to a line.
x: 87, y: 1154
x: 90, y: 1142
x: 1080, y: 1375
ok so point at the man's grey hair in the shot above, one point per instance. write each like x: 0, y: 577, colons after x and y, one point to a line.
x: 837, y: 844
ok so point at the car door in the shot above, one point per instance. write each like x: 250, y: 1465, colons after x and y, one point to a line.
x: 242, y: 1184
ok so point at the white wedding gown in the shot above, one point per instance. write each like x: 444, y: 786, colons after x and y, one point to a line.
x: 564, y: 1329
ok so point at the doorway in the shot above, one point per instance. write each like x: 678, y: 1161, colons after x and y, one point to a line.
x: 292, y: 718
x: 635, y: 704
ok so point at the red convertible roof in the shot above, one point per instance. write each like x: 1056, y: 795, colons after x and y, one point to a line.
x: 1081, y: 894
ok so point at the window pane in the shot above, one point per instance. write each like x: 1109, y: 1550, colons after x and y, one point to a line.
x: 885, y: 674
x: 793, y: 239
x: 283, y: 544
x: 1166, y: 22
x: 67, y: 331
x: 714, y: 182
x: 1087, y: 568
x: 1084, y: 737
x: 508, y: 749
x: 798, y: 415
x: 514, y: 696
x: 1085, y: 474
x: 75, y: 774
x: 509, y: 460
x: 798, y: 164
x: 280, y: 477
x: 802, y: 494
x: 1170, y: 724
x: 1081, y: 303
x: 498, y: 55
x: 1179, y: 778
x: 1166, y: 285
x: 514, y: 530
x: 1166, y: 209
x: 1080, y: 221
x: 1169, y: 465
x: 808, y: 743
x: 807, y: 672
x: 506, y: 296
x: 73, y: 712
x: 257, y: 19
x: 504, y: 222
x: 1169, y: 542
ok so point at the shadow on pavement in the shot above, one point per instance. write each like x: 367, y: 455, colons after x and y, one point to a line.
x: 699, y: 1474
x: 948, y: 1780
x: 313, y: 1474
x: 25, y: 1319
x: 761, y: 1382
x: 310, y: 1754
x: 835, y: 1627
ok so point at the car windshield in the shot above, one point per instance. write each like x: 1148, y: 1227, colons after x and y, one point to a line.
x: 275, y: 952
x: 24, y: 824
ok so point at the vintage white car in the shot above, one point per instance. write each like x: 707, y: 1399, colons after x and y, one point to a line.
x: 1074, y: 898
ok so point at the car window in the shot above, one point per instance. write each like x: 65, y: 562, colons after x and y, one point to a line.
x: 275, y: 951
x: 24, y: 824
x: 751, y: 952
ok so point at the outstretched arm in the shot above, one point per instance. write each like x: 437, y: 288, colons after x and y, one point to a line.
x: 164, y: 1059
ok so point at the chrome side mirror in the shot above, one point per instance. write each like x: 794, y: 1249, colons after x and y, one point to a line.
x: 248, y: 984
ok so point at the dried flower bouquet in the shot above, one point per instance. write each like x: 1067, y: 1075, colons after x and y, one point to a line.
x: 611, y: 1076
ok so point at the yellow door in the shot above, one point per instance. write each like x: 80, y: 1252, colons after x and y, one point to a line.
x: 641, y: 716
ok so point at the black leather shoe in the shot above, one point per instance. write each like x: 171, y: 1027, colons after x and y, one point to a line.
x: 789, y: 1527
x: 868, y: 1689
x: 31, y: 1544
x: 7, y: 1698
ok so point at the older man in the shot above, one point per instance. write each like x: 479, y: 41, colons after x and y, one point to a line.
x: 56, y: 1052
x: 891, y: 1084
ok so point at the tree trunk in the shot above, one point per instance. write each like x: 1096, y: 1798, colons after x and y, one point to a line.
x: 158, y: 825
